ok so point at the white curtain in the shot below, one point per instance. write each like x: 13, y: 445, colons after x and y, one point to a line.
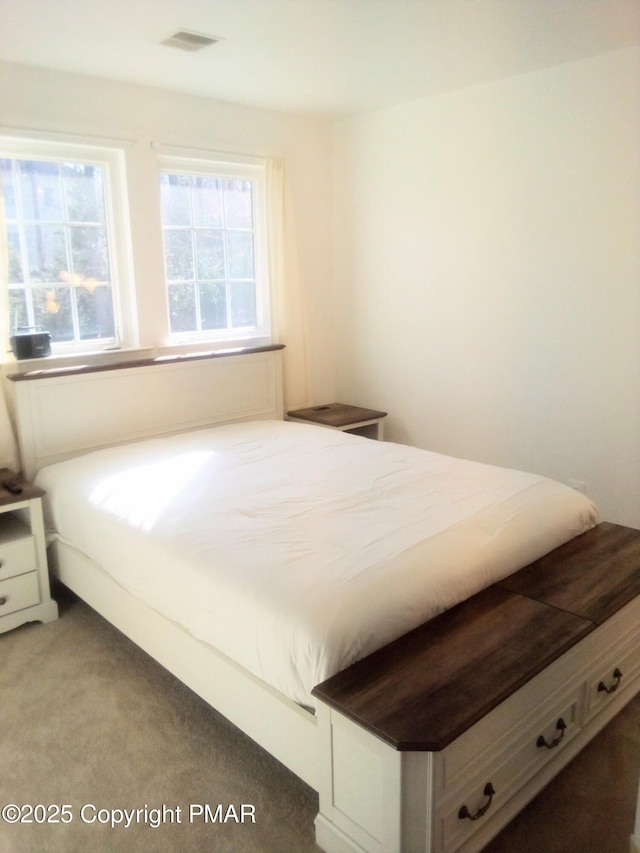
x: 286, y: 287
x: 8, y: 445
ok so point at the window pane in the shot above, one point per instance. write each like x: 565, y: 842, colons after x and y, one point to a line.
x: 209, y: 242
x: 41, y: 191
x: 243, y: 304
x: 182, y: 307
x: 46, y: 252
x: 52, y: 311
x: 16, y: 273
x: 18, y: 308
x: 207, y: 202
x: 175, y: 199
x: 213, y: 306
x: 238, y: 204
x: 210, y: 253
x: 240, y: 254
x: 58, y: 248
x: 84, y: 192
x: 90, y: 252
x: 8, y: 189
x: 95, y: 317
x: 178, y: 255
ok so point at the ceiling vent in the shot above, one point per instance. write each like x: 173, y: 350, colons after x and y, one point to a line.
x: 189, y: 41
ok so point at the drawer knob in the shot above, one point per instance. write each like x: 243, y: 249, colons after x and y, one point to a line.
x: 602, y: 687
x: 3, y: 599
x: 464, y: 811
x: 562, y: 727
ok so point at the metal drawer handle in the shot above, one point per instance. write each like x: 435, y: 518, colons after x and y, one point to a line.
x: 562, y: 727
x: 3, y: 599
x: 464, y: 811
x: 602, y: 688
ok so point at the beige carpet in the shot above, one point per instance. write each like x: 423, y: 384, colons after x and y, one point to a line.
x: 87, y: 719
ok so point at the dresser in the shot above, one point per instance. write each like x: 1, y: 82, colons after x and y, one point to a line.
x: 435, y: 742
x: 24, y: 579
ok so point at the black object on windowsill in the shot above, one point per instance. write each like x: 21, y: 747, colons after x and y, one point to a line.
x: 31, y: 342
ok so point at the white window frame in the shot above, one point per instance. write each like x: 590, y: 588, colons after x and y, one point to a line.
x: 254, y: 171
x: 112, y: 162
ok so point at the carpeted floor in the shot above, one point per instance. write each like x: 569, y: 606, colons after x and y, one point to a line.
x: 86, y: 718
x: 90, y: 721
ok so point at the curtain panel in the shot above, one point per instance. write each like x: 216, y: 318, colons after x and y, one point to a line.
x: 9, y: 457
x: 286, y: 286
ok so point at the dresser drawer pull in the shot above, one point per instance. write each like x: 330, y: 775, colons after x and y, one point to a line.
x: 562, y: 727
x: 602, y: 688
x: 464, y: 811
x: 3, y: 599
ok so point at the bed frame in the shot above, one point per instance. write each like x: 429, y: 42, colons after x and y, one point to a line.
x: 62, y: 413
x: 375, y: 795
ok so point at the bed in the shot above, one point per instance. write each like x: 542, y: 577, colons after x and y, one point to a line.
x: 256, y: 558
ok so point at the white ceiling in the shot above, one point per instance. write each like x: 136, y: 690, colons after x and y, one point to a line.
x: 314, y: 56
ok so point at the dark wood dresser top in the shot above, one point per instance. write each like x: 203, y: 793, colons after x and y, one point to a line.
x: 425, y: 689
x: 592, y: 576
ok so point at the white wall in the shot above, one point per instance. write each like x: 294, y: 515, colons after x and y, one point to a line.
x: 46, y: 101
x: 487, y: 273
x: 487, y: 253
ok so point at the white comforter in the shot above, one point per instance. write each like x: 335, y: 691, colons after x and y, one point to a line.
x: 296, y: 550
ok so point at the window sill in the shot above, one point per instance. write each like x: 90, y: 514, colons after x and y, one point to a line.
x: 68, y: 361
x: 48, y: 370
x: 13, y: 366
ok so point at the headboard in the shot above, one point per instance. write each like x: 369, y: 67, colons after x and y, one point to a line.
x: 66, y: 412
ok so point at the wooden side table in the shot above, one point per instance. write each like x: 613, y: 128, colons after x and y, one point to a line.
x: 24, y: 577
x: 340, y: 416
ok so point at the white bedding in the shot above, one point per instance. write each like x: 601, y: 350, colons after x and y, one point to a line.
x: 296, y: 550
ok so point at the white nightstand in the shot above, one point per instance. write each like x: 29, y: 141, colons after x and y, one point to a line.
x: 346, y: 418
x: 24, y: 577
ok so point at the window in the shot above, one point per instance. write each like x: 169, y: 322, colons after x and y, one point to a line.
x: 212, y: 222
x: 63, y: 273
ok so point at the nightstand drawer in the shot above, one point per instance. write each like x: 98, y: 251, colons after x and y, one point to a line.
x: 17, y: 549
x: 18, y: 593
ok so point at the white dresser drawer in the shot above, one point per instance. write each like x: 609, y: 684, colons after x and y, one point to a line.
x: 18, y: 593
x: 513, y: 728
x: 613, y: 677
x: 17, y: 548
x: 494, y: 770
x: 614, y: 654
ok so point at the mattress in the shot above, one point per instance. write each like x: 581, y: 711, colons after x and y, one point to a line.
x: 296, y: 550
